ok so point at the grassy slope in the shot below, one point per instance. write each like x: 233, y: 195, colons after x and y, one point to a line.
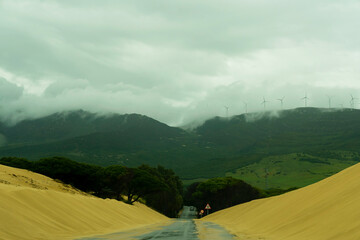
x: 292, y: 170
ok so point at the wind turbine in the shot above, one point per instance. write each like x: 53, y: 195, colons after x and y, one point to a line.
x: 352, y: 101
x: 281, y: 101
x: 227, y: 111
x: 264, y: 103
x: 305, y: 99
x: 246, y: 107
x: 330, y: 98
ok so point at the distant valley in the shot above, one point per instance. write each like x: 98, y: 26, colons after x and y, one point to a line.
x: 290, y: 148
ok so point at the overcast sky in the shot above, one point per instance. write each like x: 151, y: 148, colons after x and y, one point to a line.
x: 176, y: 61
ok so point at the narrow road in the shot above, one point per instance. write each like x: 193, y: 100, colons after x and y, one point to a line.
x: 183, y: 228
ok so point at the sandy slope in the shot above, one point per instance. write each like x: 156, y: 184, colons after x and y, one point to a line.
x: 329, y: 210
x: 33, y: 206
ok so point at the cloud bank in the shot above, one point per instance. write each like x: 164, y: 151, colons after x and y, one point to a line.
x: 179, y: 61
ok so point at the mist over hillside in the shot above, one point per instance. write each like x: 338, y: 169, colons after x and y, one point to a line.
x: 245, y: 146
x: 66, y: 125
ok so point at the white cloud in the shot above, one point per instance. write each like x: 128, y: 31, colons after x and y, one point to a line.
x: 8, y: 90
x: 176, y: 61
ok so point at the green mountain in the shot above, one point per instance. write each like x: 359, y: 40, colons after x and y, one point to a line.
x: 87, y: 137
x: 270, y: 149
x: 282, y: 149
x: 67, y: 125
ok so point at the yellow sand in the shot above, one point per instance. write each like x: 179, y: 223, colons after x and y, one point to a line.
x: 33, y: 206
x: 329, y: 210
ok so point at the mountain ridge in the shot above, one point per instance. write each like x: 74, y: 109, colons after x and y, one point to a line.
x: 64, y: 125
x: 218, y: 147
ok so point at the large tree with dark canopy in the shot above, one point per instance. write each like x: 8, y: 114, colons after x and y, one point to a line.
x: 222, y: 193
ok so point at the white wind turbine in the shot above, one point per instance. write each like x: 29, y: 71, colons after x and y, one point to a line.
x: 281, y: 101
x: 264, y: 102
x: 246, y: 107
x: 329, y: 99
x: 305, y: 99
x: 227, y: 111
x: 352, y: 101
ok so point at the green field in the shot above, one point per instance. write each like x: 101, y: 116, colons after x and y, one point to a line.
x: 293, y: 170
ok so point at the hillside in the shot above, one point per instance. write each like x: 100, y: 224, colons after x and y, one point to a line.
x: 290, y: 148
x: 36, y: 207
x: 295, y: 130
x: 87, y: 137
x: 67, y: 125
x: 287, y: 148
x: 325, y: 210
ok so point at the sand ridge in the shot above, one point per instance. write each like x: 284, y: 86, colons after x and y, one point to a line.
x: 24, y: 178
x: 329, y: 209
x: 33, y: 206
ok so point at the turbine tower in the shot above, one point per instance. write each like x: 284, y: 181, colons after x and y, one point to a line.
x: 281, y: 101
x: 227, y: 111
x: 352, y: 101
x: 264, y: 103
x: 246, y: 107
x: 330, y: 98
x: 305, y: 99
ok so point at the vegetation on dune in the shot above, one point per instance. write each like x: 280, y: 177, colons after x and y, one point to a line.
x: 160, y: 188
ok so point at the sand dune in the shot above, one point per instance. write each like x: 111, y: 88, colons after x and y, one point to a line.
x: 33, y: 206
x: 329, y: 209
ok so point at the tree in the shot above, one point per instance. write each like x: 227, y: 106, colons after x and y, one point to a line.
x: 159, y: 187
x: 113, y: 181
x: 80, y: 175
x: 188, y: 195
x: 169, y: 200
x: 222, y: 193
x: 17, y: 162
x: 141, y: 183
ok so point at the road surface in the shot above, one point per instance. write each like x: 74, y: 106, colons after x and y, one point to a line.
x: 183, y: 228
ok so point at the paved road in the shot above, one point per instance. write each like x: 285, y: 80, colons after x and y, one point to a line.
x: 182, y: 228
x: 188, y: 213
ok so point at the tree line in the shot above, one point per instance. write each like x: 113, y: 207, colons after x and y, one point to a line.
x: 225, y: 192
x: 220, y: 193
x: 158, y: 187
